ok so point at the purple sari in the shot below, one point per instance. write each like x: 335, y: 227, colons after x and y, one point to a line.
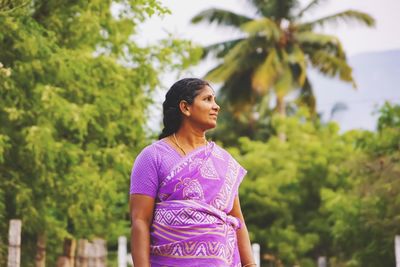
x: 190, y: 226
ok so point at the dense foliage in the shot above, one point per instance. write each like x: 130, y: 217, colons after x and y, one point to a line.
x: 323, y: 193
x: 74, y: 89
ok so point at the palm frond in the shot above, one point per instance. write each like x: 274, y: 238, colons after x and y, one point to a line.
x: 243, y: 55
x: 221, y: 17
x: 231, y: 63
x: 332, y: 66
x: 220, y: 49
x: 237, y: 91
x: 345, y: 16
x: 266, y: 74
x: 311, y: 42
x: 219, y: 73
x: 231, y: 66
x: 284, y: 82
x: 310, y: 6
x: 264, y: 27
x: 275, y: 9
x: 307, y: 97
x: 298, y: 64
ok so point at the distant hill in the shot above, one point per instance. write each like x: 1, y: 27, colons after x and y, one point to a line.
x: 377, y: 75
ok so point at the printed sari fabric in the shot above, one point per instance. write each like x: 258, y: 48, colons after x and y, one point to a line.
x: 191, y: 226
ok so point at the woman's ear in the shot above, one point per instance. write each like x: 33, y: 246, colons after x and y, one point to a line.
x: 184, y: 107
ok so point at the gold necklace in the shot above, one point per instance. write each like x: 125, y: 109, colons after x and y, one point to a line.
x: 177, y: 144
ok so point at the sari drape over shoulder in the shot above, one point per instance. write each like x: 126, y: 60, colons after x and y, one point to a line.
x: 191, y: 226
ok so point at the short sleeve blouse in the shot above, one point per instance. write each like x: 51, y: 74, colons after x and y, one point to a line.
x: 151, y: 166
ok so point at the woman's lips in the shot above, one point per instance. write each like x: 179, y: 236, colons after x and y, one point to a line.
x: 214, y: 116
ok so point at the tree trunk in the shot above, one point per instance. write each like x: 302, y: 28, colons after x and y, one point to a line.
x: 40, y: 259
x: 281, y: 107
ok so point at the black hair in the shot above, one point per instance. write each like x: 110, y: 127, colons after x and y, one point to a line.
x: 186, y: 89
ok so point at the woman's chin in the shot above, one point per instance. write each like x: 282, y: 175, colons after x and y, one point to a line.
x: 212, y: 125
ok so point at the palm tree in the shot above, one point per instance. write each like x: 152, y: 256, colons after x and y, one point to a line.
x: 275, y: 49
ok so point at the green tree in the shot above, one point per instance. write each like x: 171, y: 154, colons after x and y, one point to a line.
x: 276, y: 47
x: 365, y: 218
x: 322, y: 193
x: 74, y: 89
x: 11, y: 6
x: 281, y: 194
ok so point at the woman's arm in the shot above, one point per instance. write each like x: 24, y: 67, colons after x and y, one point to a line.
x: 246, y: 254
x: 141, y: 207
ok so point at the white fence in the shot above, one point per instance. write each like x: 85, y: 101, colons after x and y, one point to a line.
x: 94, y: 254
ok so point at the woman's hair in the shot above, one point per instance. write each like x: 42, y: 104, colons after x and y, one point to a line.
x: 186, y: 89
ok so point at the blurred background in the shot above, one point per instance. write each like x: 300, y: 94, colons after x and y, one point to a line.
x: 310, y: 107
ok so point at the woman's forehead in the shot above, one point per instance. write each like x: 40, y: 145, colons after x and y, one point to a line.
x: 206, y: 90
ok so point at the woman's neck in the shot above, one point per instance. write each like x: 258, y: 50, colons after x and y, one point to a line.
x: 190, y: 138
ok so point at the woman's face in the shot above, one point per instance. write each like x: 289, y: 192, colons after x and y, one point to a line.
x: 203, y: 112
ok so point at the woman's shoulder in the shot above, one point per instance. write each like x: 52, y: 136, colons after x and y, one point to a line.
x: 148, y: 152
x: 222, y: 152
x: 218, y: 147
x: 219, y: 150
x: 153, y: 150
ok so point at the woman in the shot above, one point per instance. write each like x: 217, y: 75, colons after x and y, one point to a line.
x: 185, y: 208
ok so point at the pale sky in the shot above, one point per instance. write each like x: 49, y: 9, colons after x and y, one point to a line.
x: 355, y: 39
